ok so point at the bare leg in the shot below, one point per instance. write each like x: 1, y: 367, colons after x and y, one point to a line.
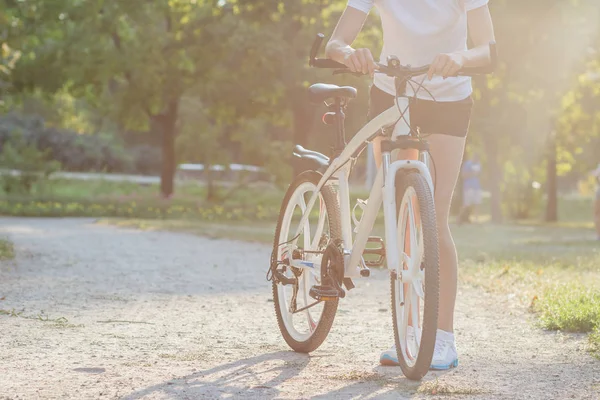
x: 447, y: 154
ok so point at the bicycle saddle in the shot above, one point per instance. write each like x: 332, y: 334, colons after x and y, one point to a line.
x: 319, y: 92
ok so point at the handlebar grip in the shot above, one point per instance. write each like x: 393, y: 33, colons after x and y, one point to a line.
x: 345, y: 70
x: 326, y: 63
x: 315, y: 49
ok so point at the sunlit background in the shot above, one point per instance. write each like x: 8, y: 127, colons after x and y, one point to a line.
x: 214, y: 92
x: 181, y: 115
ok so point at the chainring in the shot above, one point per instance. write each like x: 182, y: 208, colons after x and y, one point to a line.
x: 332, y: 264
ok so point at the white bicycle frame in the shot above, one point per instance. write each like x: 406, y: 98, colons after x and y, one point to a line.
x: 383, y: 191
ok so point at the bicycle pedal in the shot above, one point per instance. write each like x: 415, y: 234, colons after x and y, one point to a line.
x: 378, y: 250
x: 348, y: 283
x: 325, y: 293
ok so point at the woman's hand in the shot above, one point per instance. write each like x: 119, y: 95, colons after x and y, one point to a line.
x: 446, y: 65
x: 360, y: 60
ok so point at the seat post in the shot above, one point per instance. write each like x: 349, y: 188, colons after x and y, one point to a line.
x: 340, y: 117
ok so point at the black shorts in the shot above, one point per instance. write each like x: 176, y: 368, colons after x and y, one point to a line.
x: 447, y: 118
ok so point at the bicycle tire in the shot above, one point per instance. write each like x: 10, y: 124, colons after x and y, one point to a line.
x: 431, y: 284
x: 330, y: 307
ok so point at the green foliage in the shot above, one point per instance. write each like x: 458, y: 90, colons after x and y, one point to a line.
x: 521, y: 196
x: 148, y: 208
x: 570, y: 308
x: 164, y: 68
x: 103, y: 198
x: 594, y: 340
x: 81, y: 152
x: 34, y: 165
x: 7, y: 250
x: 8, y: 59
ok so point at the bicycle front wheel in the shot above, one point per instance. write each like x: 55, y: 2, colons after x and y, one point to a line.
x: 303, y: 321
x: 415, y: 284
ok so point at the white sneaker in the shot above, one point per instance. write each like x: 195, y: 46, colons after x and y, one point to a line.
x: 445, y: 355
x: 390, y: 357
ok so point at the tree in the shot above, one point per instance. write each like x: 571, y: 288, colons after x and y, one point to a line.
x: 135, y: 59
x: 517, y: 108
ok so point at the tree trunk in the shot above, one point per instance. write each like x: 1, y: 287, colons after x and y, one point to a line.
x: 166, y: 123
x: 490, y: 144
x: 551, y: 182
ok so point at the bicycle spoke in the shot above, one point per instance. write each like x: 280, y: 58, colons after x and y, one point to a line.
x: 320, y: 225
x: 412, y: 237
x: 304, y: 318
x: 306, y: 233
x: 414, y: 309
x: 405, y: 322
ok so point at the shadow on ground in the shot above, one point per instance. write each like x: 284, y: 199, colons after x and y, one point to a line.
x: 269, y: 376
x: 258, y: 376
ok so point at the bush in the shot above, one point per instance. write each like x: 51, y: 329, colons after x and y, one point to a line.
x: 594, y: 340
x: 570, y: 308
x: 7, y: 250
x: 146, y: 159
x: 520, y: 198
x: 34, y: 165
x: 81, y: 152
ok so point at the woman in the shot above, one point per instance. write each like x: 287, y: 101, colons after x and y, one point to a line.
x: 421, y: 32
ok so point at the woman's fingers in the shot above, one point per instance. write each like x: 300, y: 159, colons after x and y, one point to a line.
x: 446, y: 65
x: 448, y: 69
x: 352, y: 62
x: 361, y: 60
x: 437, y: 66
x: 371, y: 67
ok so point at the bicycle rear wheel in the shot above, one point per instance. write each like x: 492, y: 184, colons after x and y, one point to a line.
x: 303, y: 321
x: 415, y: 285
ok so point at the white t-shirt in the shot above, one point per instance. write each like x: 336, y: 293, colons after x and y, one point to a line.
x: 416, y: 31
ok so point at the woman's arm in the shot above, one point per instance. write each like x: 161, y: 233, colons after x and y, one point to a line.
x: 339, y: 46
x: 481, y: 32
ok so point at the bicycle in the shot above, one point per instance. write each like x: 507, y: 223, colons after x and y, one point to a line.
x: 314, y: 253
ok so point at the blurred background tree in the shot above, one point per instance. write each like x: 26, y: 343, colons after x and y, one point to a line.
x: 220, y: 82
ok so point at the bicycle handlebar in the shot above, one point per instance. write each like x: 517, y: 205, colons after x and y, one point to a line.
x: 396, y: 70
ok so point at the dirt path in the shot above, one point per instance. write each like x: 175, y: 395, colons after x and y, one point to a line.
x: 115, y: 313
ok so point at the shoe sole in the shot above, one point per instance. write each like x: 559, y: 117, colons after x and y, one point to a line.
x: 388, y: 361
x: 453, y: 364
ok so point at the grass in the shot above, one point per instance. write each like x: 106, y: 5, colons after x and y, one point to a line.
x: 81, y: 190
x: 552, y: 268
x: 569, y: 308
x: 436, y: 388
x: 76, y: 198
x: 258, y: 232
x: 7, y: 250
